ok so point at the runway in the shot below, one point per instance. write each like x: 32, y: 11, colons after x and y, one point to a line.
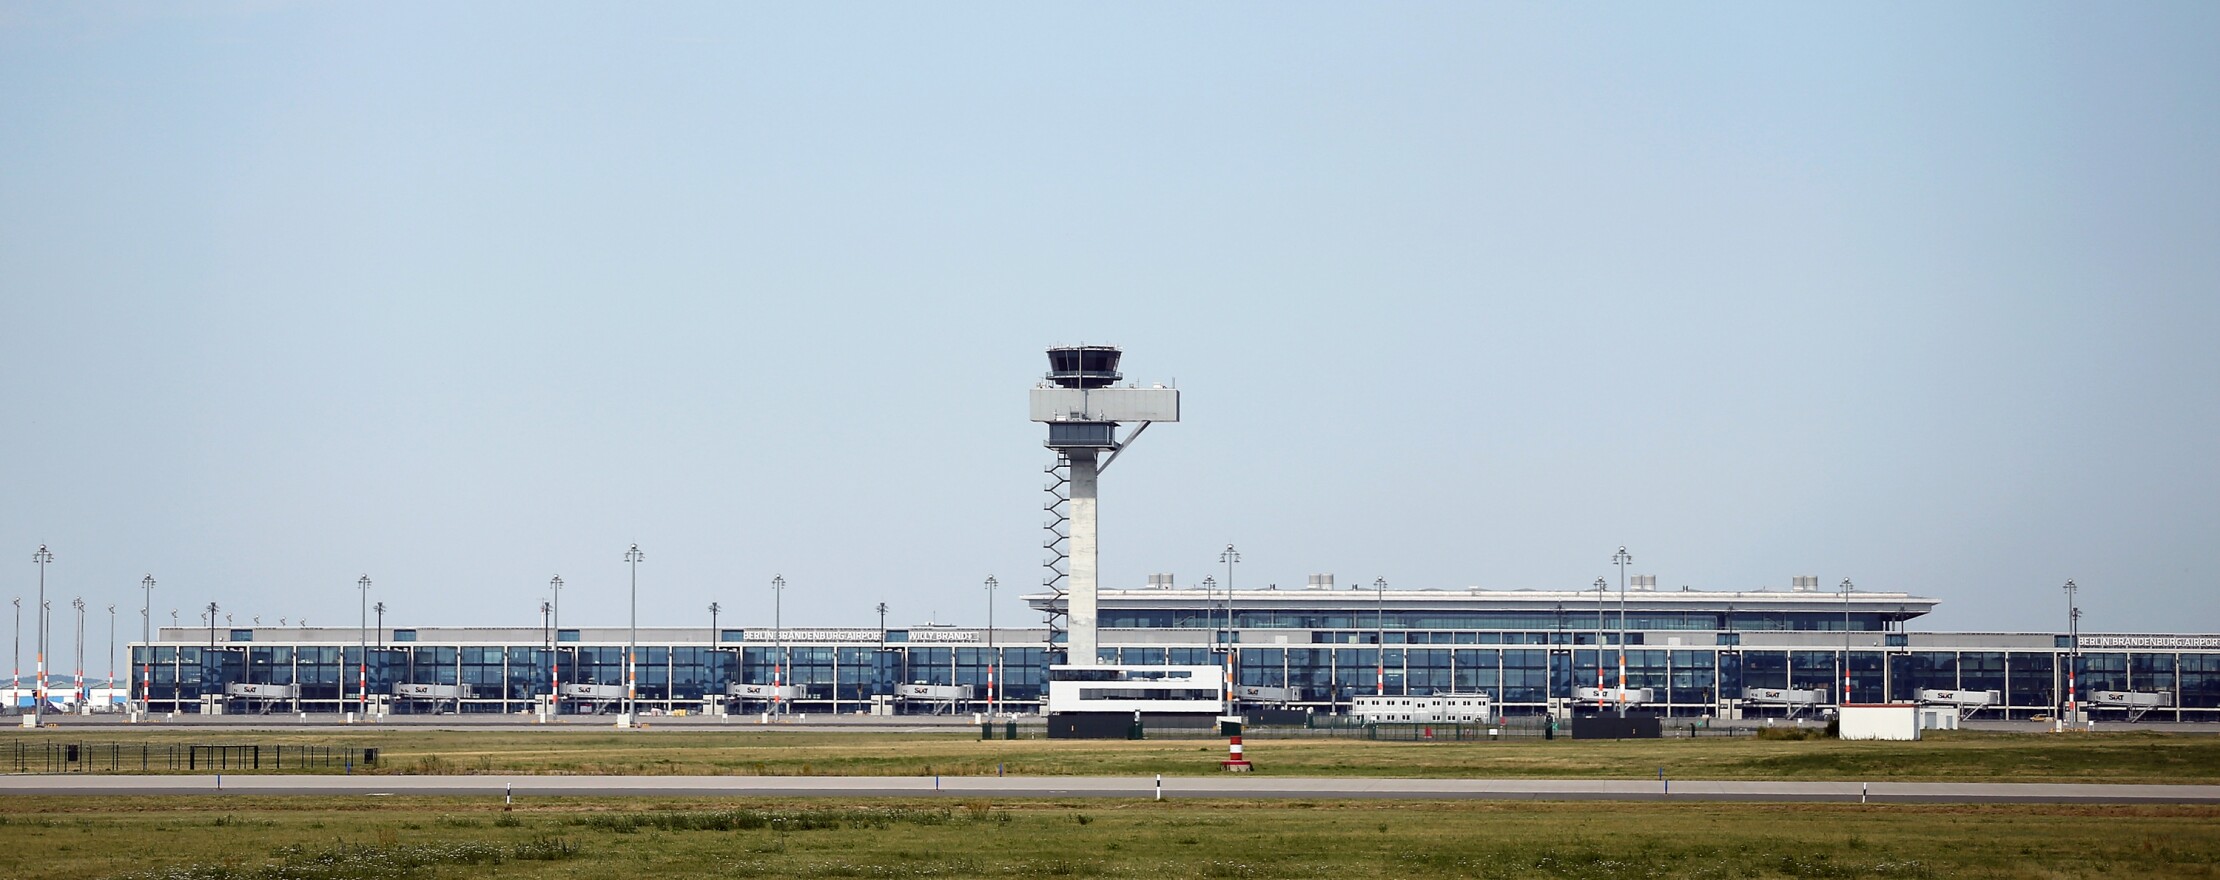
x: 1224, y: 787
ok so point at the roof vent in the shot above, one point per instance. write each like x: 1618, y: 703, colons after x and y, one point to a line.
x: 1804, y: 583
x: 1320, y: 582
x: 1160, y: 581
x: 1645, y: 582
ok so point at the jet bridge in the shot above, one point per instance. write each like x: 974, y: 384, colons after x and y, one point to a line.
x: 1795, y: 700
x: 1966, y: 702
x: 2135, y: 702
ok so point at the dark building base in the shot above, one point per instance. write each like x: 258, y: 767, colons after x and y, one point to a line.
x: 1614, y: 727
x: 1277, y: 717
x: 1120, y: 725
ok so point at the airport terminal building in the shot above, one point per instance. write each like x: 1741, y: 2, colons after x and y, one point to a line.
x: 1700, y: 653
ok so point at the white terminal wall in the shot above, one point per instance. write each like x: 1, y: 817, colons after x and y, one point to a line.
x: 1895, y: 721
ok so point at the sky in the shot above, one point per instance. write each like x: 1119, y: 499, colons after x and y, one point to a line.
x: 464, y: 296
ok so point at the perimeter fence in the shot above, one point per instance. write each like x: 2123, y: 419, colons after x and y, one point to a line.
x: 112, y: 757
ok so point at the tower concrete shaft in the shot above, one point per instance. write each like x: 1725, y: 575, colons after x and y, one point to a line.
x: 1082, y: 638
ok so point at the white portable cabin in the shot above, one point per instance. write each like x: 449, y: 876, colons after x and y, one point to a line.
x: 1432, y: 709
x: 1892, y: 721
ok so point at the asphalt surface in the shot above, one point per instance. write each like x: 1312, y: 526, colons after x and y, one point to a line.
x: 1229, y: 786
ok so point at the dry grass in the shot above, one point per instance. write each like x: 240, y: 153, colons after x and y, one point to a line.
x: 338, y: 839
x: 2122, y: 757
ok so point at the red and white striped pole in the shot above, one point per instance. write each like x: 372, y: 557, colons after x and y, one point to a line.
x: 2071, y: 692
x: 1621, y: 695
x: 1235, y: 761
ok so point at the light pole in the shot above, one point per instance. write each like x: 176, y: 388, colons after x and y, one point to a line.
x: 1379, y: 636
x: 112, y: 651
x: 555, y: 657
x: 1622, y: 558
x: 1211, y: 616
x: 79, y: 604
x: 882, y: 626
x: 1601, y: 585
x: 362, y: 669
x: 146, y: 642
x: 15, y: 678
x: 632, y: 558
x: 1229, y: 556
x: 1846, y: 588
x: 38, y: 708
x: 991, y: 656
x: 778, y: 645
x: 2073, y: 653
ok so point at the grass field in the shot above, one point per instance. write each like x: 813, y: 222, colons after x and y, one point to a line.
x: 398, y: 839
x: 1960, y: 756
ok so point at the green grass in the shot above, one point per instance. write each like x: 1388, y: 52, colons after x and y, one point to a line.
x: 1960, y: 756
x: 407, y: 838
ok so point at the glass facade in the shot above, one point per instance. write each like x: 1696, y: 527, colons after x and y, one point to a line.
x: 1525, y: 670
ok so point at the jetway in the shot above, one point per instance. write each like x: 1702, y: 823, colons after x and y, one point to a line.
x: 1262, y: 694
x: 263, y: 696
x: 1795, y: 700
x: 595, y: 697
x: 2135, y: 702
x: 1613, y: 697
x: 938, y: 698
x: 1966, y: 702
x: 452, y: 694
x: 769, y: 695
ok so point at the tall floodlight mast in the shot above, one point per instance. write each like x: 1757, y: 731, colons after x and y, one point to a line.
x: 1600, y: 617
x: 2073, y: 655
x: 555, y: 657
x: 1622, y: 558
x: 1082, y: 409
x: 362, y: 682
x: 632, y: 558
x: 38, y: 707
x: 146, y: 640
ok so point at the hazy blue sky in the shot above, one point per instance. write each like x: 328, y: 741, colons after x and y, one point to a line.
x: 463, y: 296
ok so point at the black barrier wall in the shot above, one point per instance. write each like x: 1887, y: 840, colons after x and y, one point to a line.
x: 1615, y: 727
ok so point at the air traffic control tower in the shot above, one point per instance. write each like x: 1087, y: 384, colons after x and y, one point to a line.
x: 1082, y: 403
